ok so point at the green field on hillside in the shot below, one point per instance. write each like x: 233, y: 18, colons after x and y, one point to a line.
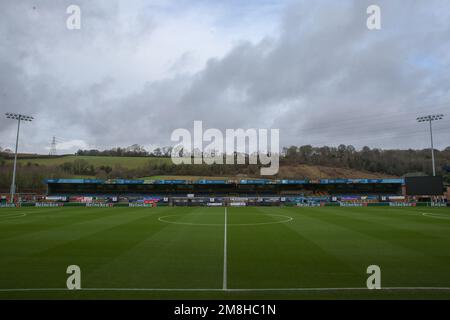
x: 233, y: 253
x: 125, y: 162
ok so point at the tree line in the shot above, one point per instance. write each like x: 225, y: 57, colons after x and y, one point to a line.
x: 392, y: 162
x: 134, y: 150
x: 30, y: 176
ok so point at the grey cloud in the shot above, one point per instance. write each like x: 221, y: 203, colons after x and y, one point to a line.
x: 325, y: 79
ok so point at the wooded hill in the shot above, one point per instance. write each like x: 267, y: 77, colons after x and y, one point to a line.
x: 296, y: 162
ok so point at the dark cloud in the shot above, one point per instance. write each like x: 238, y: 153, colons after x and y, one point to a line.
x: 324, y: 79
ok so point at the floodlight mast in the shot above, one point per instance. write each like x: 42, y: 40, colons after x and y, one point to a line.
x: 430, y: 119
x: 19, y: 118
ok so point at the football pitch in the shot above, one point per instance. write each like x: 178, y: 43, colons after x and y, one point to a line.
x: 225, y: 253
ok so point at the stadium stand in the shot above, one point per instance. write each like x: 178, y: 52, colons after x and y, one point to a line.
x: 256, y: 192
x: 259, y: 192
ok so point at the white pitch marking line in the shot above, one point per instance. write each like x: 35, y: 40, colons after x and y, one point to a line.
x: 344, y: 289
x: 287, y: 219
x: 229, y: 290
x: 225, y: 267
x: 435, y: 215
x: 13, y: 215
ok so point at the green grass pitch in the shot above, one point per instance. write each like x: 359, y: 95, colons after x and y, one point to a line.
x: 269, y: 252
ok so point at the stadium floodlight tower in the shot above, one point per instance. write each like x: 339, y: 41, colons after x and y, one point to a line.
x: 19, y: 118
x: 430, y: 119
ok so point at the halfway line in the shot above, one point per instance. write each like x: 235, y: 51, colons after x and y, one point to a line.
x: 225, y: 253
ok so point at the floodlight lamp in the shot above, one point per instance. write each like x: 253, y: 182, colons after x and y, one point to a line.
x: 16, y: 116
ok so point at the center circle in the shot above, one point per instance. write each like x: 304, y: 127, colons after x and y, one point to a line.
x: 284, y: 219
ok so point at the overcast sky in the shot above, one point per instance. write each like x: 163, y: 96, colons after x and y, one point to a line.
x: 138, y: 69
